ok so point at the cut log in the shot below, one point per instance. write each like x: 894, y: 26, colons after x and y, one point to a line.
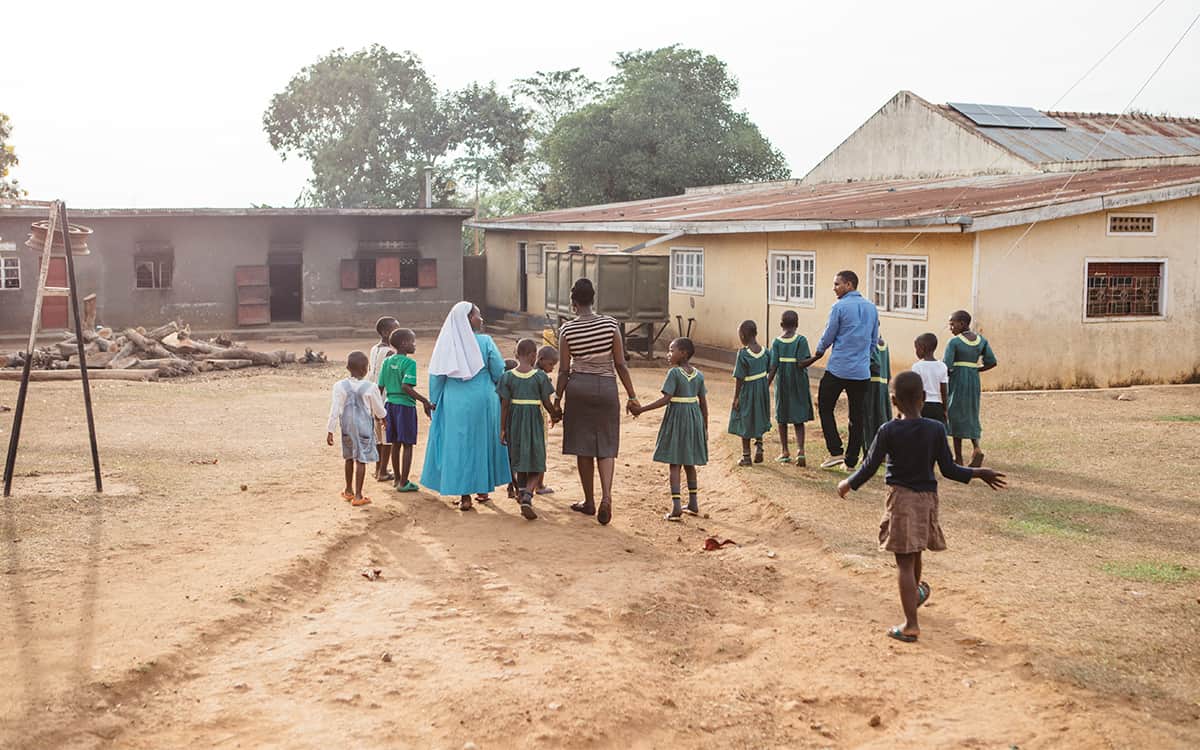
x: 158, y: 334
x: 258, y: 358
x: 225, y: 364
x: 194, y: 346
x: 125, y: 357
x: 149, y: 346
x: 60, y: 375
x: 97, y: 360
x: 89, y: 313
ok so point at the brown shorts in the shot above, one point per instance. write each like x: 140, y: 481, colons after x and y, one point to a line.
x: 910, y: 522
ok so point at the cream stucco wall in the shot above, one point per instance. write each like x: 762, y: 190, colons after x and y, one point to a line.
x: 1031, y: 302
x: 908, y: 139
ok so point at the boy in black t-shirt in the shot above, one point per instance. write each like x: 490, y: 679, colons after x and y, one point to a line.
x: 912, y: 444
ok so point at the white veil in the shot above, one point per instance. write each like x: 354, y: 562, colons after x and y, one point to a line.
x: 456, y: 353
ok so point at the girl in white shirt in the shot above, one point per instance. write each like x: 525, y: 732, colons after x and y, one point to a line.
x: 934, y: 376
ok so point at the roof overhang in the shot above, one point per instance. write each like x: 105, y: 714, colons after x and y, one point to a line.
x: 1091, y: 205
x: 99, y: 213
x: 925, y: 224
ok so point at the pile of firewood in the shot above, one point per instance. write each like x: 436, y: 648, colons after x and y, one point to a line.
x: 169, y: 350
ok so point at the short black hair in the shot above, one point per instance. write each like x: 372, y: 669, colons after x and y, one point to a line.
x: 583, y: 292
x: 748, y: 328
x: 546, y: 352
x: 526, y: 346
x: 907, y: 387
x: 399, y: 335
x: 962, y: 315
x: 357, y: 361
x: 790, y: 319
x: 927, y: 340
x: 684, y: 344
x: 385, y: 324
x: 849, y: 277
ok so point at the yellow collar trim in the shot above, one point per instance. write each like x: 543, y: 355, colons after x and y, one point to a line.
x: 881, y: 347
x: 967, y: 341
x: 782, y: 340
x: 683, y: 372
x: 525, y: 375
x: 761, y: 352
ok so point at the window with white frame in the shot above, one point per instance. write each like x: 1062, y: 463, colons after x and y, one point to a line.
x: 10, y: 273
x: 153, y: 270
x: 793, y: 277
x: 900, y: 283
x: 535, y: 257
x: 687, y: 270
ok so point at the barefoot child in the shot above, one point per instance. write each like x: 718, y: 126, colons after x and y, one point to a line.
x: 381, y: 351
x: 934, y: 376
x: 398, y: 378
x: 793, y: 398
x: 524, y: 391
x: 878, y: 407
x: 963, y: 358
x: 912, y: 445
x: 356, y: 407
x: 750, y: 416
x: 683, y: 436
x: 547, y: 360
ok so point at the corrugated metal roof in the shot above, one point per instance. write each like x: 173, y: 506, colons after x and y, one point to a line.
x: 885, y: 200
x: 1134, y: 137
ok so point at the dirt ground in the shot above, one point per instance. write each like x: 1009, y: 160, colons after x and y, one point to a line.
x: 222, y: 604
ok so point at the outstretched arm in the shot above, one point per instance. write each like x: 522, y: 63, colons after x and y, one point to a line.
x: 875, y: 455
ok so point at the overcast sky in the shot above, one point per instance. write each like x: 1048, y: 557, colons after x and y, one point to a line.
x: 160, y: 104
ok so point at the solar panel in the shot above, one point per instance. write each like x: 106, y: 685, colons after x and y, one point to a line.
x: 1001, y: 116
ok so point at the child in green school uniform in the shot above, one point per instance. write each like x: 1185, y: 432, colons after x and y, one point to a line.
x: 524, y: 391
x: 793, y: 397
x: 750, y: 415
x: 878, y: 409
x: 683, y: 435
x: 967, y: 355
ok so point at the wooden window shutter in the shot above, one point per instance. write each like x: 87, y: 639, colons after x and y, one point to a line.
x: 350, y: 274
x: 387, y: 272
x: 427, y: 273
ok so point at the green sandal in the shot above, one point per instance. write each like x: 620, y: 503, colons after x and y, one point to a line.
x: 407, y: 487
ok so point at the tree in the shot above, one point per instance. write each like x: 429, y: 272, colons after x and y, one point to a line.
x: 665, y: 122
x: 369, y: 121
x: 9, y: 188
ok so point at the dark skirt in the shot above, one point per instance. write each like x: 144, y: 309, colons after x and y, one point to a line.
x: 591, y: 416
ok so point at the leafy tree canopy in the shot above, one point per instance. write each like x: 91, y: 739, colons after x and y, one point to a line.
x: 9, y: 188
x: 665, y: 122
x: 369, y: 121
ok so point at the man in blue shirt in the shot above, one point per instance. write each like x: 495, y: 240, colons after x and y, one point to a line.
x: 852, y: 330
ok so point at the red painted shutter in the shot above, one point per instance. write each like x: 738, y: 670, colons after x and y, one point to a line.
x: 54, y: 309
x: 253, y: 294
x: 349, y: 274
x: 427, y: 273
x: 387, y: 272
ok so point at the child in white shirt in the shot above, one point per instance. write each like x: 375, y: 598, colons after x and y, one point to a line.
x: 357, y: 408
x: 381, y: 351
x: 934, y: 376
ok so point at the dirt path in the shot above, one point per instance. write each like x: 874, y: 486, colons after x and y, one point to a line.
x: 178, y: 609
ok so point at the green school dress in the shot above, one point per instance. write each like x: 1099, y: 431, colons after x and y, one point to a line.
x: 752, y: 418
x: 682, y: 436
x: 526, y: 433
x: 793, y: 399
x: 963, y: 359
x: 879, y: 401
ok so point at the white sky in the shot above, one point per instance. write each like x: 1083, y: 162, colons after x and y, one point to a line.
x: 164, y: 101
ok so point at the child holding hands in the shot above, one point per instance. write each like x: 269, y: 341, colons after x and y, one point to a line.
x: 793, y: 397
x: 750, y: 415
x: 398, y: 378
x: 683, y: 436
x: 524, y: 391
x: 912, y: 444
x: 356, y: 408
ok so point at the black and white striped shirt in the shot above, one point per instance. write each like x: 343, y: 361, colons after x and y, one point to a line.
x: 591, y: 343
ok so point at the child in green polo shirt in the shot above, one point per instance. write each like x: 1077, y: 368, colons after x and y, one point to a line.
x: 398, y: 379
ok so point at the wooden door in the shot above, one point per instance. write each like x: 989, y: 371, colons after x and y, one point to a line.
x: 54, y: 309
x: 522, y: 276
x: 253, y: 295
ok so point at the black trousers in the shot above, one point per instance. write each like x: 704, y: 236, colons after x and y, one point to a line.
x: 934, y: 410
x: 828, y: 393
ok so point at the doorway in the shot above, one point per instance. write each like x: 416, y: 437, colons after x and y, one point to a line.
x: 286, y: 281
x: 522, y: 275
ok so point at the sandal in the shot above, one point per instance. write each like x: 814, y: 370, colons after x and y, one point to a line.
x: 347, y: 496
x: 604, y: 515
x: 464, y: 503
x: 801, y: 461
x: 758, y: 454
x: 900, y: 635
x: 584, y: 507
x: 745, y: 461
x: 483, y: 497
x: 526, y: 501
x: 386, y: 476
x: 407, y: 487
x: 976, y: 459
x: 673, y: 517
x: 784, y: 459
x: 358, y: 502
x: 923, y: 592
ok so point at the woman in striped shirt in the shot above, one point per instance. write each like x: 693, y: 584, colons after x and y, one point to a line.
x: 593, y: 356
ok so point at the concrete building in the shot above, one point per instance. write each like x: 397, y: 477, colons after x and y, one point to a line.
x: 233, y: 268
x: 1076, y: 247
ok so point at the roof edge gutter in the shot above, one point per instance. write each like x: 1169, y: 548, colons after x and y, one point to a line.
x: 724, y: 227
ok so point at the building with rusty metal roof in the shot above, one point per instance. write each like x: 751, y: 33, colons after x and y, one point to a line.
x: 1073, y: 238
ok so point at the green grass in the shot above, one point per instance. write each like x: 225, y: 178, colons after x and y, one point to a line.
x: 1180, y: 418
x: 1151, y: 572
x: 1051, y: 506
x: 1046, y: 516
x: 1046, y: 526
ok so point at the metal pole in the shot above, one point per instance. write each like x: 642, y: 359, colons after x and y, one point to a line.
x: 15, y: 438
x: 87, y: 390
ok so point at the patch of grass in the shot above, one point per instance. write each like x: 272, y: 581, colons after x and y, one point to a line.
x: 1051, y: 506
x: 1180, y: 418
x: 1046, y: 526
x: 1151, y: 572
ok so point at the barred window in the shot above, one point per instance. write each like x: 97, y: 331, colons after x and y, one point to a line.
x: 1124, y: 289
x: 10, y: 273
